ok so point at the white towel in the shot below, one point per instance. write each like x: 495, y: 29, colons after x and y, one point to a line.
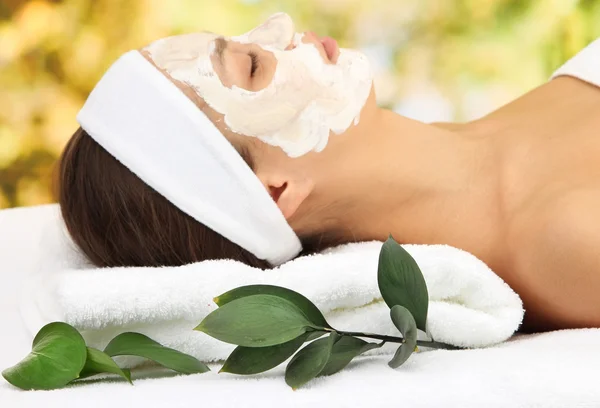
x: 470, y: 306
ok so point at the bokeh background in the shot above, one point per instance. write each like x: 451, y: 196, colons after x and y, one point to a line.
x: 435, y: 60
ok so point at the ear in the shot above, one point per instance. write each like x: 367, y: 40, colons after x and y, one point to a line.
x: 287, y: 190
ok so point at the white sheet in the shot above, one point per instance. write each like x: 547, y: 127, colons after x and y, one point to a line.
x: 557, y: 369
x: 585, y: 65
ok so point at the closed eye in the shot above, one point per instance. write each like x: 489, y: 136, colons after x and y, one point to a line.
x: 253, y: 63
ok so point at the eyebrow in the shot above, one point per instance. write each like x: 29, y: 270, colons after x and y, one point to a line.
x: 220, y: 46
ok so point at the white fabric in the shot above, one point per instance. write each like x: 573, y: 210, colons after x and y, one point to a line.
x: 553, y: 370
x: 469, y: 305
x: 585, y: 65
x: 148, y: 124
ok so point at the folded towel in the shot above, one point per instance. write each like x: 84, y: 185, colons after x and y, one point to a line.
x: 470, y: 306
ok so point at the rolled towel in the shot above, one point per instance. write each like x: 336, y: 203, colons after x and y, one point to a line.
x: 470, y: 306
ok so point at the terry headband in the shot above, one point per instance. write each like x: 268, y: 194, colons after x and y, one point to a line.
x: 141, y: 118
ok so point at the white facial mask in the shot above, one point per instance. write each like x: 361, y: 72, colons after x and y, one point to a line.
x: 306, y: 99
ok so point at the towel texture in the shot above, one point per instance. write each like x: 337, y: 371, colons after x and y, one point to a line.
x: 470, y: 306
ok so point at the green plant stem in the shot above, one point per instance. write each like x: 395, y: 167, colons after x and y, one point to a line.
x: 392, y: 339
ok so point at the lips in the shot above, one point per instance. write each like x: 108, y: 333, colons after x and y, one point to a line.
x: 331, y: 48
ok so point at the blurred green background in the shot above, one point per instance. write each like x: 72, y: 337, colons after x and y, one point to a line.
x: 434, y: 60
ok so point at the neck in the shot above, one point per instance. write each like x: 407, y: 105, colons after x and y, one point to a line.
x: 423, y: 183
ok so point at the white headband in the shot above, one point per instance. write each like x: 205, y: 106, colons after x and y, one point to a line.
x: 141, y: 118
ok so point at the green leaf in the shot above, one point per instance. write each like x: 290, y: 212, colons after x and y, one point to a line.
x: 310, y: 310
x: 401, y: 281
x: 309, y: 362
x: 404, y: 321
x: 256, y: 321
x: 58, y: 354
x: 254, y: 360
x: 99, y: 362
x: 136, y: 344
x: 343, y: 351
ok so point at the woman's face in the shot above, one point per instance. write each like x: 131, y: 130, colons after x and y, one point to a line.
x: 287, y: 89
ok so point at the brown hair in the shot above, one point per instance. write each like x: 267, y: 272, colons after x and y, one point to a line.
x: 118, y: 220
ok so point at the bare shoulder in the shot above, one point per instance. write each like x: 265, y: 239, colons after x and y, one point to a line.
x: 549, y: 99
x: 556, y: 262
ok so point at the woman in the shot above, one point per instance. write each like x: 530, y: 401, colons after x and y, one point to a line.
x: 518, y: 188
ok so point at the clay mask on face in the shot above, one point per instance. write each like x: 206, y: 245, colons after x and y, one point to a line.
x: 306, y: 99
